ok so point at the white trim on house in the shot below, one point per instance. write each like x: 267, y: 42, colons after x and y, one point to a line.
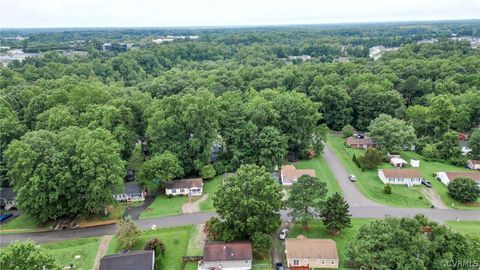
x: 399, y: 180
x: 194, y: 191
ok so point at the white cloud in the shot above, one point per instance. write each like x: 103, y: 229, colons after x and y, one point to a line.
x: 132, y: 13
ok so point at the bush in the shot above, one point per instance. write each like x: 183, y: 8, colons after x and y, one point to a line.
x: 371, y: 159
x: 347, y: 131
x: 387, y: 189
x: 159, y: 247
x: 207, y: 171
x: 463, y: 190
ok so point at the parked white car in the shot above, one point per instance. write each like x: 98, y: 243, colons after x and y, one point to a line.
x: 283, y: 234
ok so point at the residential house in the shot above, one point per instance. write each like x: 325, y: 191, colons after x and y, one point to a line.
x: 473, y: 164
x: 447, y: 177
x: 464, y: 147
x: 398, y: 162
x: 132, y: 192
x: 312, y: 253
x: 226, y: 256
x: 107, y: 47
x: 7, y: 198
x: 407, y: 177
x: 136, y: 260
x: 358, y: 142
x: 189, y: 187
x: 290, y: 174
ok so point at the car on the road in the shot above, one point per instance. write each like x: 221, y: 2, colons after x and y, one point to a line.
x: 279, y: 266
x: 283, y: 234
x: 352, y: 178
x: 426, y: 183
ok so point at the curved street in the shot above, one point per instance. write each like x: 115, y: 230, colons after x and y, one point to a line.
x: 360, y: 207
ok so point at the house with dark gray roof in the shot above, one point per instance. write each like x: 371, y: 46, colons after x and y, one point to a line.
x: 227, y: 256
x: 136, y: 260
x: 132, y: 192
x: 188, y: 187
x: 7, y: 198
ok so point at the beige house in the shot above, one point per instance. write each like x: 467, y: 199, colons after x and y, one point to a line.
x: 407, y: 177
x: 290, y: 174
x: 312, y: 253
x: 187, y: 187
x: 473, y: 164
x: 447, y: 177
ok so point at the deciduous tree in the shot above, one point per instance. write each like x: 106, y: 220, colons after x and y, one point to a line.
x: 26, y: 255
x: 306, y: 197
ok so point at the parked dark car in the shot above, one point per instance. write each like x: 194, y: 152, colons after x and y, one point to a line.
x: 130, y: 176
x: 279, y: 266
x: 426, y: 183
x: 4, y: 217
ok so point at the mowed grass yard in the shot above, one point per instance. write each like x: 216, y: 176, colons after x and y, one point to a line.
x: 318, y: 230
x: 427, y: 168
x: 370, y: 184
x: 209, y: 187
x: 164, y: 206
x: 175, y: 239
x: 64, y: 252
x: 468, y: 227
x: 322, y: 170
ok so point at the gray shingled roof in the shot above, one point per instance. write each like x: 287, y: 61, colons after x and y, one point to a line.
x: 7, y: 193
x: 137, y: 260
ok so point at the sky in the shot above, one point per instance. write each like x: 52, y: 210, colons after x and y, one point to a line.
x: 167, y: 13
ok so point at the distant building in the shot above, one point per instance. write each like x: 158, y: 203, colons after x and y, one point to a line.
x: 300, y: 57
x: 107, y: 47
x: 407, y: 177
x: 363, y: 143
x: 428, y: 41
x: 303, y: 253
x: 135, y: 260
x: 376, y: 52
x: 289, y: 174
x: 342, y: 60
x: 226, y: 256
x: 188, y: 187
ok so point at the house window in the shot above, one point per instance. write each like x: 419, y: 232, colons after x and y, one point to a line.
x: 323, y: 261
x: 182, y: 190
x: 317, y: 261
x: 174, y: 191
x: 246, y: 262
x: 332, y: 261
x: 305, y: 260
x: 296, y: 262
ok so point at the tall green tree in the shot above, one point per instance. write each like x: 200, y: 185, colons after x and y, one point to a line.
x: 248, y: 205
x: 391, y: 133
x: 306, y: 198
x: 26, y: 255
x: 77, y: 168
x: 336, y: 108
x: 449, y: 147
x: 127, y: 233
x: 371, y: 159
x: 464, y: 190
x: 440, y: 115
x: 335, y: 214
x: 474, y: 143
x: 160, y: 168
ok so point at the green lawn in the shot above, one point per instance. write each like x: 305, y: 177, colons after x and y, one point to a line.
x: 318, y: 230
x: 427, y: 168
x: 467, y: 226
x: 323, y: 172
x: 371, y: 186
x: 64, y: 252
x: 209, y: 187
x: 22, y: 223
x: 164, y: 206
x: 175, y: 239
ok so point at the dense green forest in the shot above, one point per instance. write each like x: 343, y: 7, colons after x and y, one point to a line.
x: 68, y: 123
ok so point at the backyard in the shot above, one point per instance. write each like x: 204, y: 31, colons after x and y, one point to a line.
x: 176, y: 241
x: 79, y: 252
x: 468, y: 227
x: 323, y: 172
x: 369, y: 183
x: 318, y: 230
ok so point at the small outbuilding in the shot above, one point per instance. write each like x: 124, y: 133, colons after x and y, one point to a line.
x: 415, y: 163
x: 473, y: 164
x: 398, y: 162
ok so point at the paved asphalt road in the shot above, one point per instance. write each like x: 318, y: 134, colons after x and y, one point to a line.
x: 360, y: 207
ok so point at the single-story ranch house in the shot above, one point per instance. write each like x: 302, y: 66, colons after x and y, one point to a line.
x: 7, y: 198
x: 360, y: 142
x: 138, y: 260
x: 189, y: 187
x: 311, y: 253
x: 132, y: 192
x: 473, y: 164
x: 290, y: 174
x: 407, y: 177
x: 446, y: 177
x: 226, y: 256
